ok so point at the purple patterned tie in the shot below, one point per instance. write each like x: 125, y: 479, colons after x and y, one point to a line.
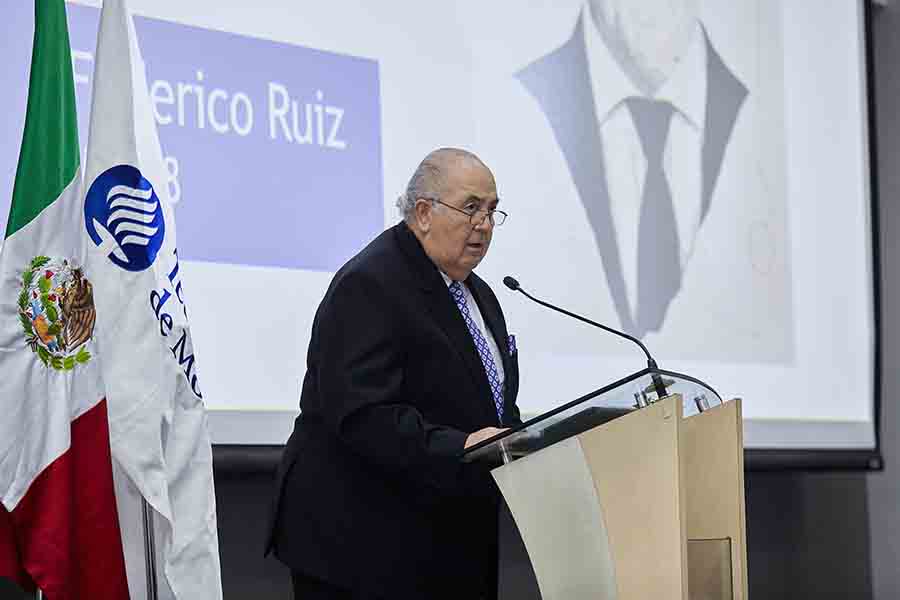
x: 484, y: 351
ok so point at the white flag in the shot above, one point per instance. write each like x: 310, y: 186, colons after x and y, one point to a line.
x: 158, y: 427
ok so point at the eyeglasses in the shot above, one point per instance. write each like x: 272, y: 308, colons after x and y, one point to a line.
x: 497, y: 217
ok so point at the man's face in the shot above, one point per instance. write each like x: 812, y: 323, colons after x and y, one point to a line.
x: 648, y: 37
x: 454, y: 243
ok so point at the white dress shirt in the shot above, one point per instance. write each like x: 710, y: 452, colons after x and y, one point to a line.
x: 623, y: 154
x: 479, y: 322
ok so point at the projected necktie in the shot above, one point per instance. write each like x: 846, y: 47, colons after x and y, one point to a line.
x: 659, y: 267
x: 484, y: 351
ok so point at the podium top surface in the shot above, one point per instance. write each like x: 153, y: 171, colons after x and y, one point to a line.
x: 600, y: 406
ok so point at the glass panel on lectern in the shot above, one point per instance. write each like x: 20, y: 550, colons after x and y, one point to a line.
x: 631, y: 393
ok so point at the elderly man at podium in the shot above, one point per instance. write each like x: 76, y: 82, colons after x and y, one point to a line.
x: 409, y: 363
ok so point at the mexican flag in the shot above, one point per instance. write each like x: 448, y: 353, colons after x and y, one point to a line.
x: 59, y: 527
x: 100, y: 389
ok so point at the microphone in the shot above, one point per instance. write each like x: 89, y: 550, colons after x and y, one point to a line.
x: 658, y: 384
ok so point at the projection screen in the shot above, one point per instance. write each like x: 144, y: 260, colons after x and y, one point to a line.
x: 290, y: 129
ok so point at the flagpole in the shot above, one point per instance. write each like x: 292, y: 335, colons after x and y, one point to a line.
x: 149, y: 551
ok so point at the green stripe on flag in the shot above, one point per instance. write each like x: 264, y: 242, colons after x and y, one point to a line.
x: 49, y: 156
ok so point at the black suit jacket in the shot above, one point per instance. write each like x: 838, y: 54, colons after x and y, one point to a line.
x: 371, y: 493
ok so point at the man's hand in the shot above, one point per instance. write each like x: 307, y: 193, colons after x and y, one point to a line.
x: 482, y: 434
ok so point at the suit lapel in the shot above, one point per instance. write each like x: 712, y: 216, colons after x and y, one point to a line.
x: 446, y: 314
x: 724, y: 96
x: 559, y: 82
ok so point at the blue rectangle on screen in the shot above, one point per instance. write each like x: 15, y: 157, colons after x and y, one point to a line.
x: 273, y: 150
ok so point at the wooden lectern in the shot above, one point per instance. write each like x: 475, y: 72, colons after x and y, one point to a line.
x: 647, y: 504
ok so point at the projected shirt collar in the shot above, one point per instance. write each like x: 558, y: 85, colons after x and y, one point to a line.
x: 685, y: 89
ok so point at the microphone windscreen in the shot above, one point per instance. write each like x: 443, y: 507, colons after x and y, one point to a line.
x: 511, y: 283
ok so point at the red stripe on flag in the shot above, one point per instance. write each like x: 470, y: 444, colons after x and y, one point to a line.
x: 64, y: 533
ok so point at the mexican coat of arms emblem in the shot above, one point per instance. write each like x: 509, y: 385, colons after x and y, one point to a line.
x: 56, y: 310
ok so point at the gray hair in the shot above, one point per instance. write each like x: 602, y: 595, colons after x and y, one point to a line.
x: 430, y: 177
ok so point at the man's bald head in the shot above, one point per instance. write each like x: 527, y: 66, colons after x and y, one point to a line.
x: 430, y: 179
x: 449, y: 206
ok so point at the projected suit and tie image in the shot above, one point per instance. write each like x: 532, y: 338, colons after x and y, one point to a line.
x: 645, y: 109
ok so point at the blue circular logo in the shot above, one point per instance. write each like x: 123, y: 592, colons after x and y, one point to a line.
x: 124, y: 217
